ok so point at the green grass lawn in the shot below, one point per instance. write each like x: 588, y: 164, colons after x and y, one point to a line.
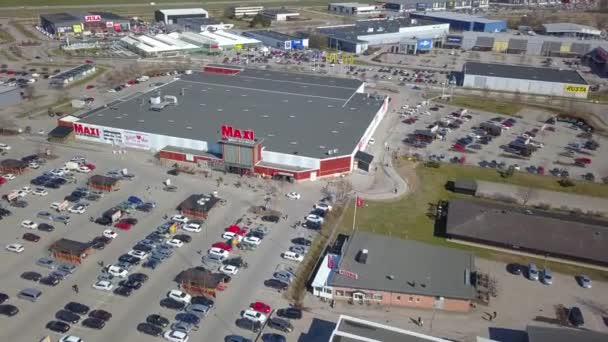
x: 6, y: 37
x: 486, y: 104
x: 599, y: 96
x: 25, y: 31
x: 4, y: 54
x: 407, y: 217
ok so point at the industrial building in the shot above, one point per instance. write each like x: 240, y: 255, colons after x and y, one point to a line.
x: 417, y: 35
x: 278, y: 40
x: 433, y: 5
x: 279, y: 14
x: 9, y: 96
x: 570, y: 30
x: 524, y: 79
x: 66, y: 77
x: 246, y: 121
x: 463, y: 22
x: 598, y: 61
x: 537, y: 45
x: 82, y: 23
x: 245, y: 11
x: 199, y: 25
x: 170, y: 16
x: 381, y: 270
x: 351, y: 8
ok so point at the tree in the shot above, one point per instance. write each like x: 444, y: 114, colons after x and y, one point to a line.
x: 525, y: 194
x: 259, y: 21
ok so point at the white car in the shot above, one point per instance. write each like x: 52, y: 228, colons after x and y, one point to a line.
x: 192, y: 227
x: 179, y: 218
x: 55, y: 205
x: 110, y: 234
x: 138, y: 254
x: 8, y: 176
x: 175, y: 243
x: 40, y: 192
x: 255, y: 316
x: 29, y: 224
x: 314, y: 218
x: 176, y: 336
x: 323, y: 206
x: 293, y: 195
x: 228, y: 235
x: 70, y: 338
x: 179, y: 296
x: 371, y: 141
x: 293, y: 256
x: 33, y: 165
x: 117, y: 271
x: 83, y: 169
x: 103, y: 285
x: 4, y: 147
x: 252, y: 240
x: 229, y: 270
x: 57, y: 172
x: 15, y: 248
x: 77, y: 209
x: 222, y: 253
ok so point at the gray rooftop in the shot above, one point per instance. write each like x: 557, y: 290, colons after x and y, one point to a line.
x: 350, y: 329
x: 271, y: 34
x: 561, y: 234
x: 64, y: 17
x: 553, y: 334
x: 456, y: 16
x: 349, y: 4
x: 294, y: 113
x: 417, y: 268
x: 369, y: 27
x: 569, y: 27
x: 275, y: 11
x: 524, y: 72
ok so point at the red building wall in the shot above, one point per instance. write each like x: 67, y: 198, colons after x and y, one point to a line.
x: 335, y: 165
x: 220, y: 70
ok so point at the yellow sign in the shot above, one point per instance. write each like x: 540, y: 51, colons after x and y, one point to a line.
x: 575, y: 88
x: 77, y: 28
x: 238, y: 46
x: 340, y: 59
x: 173, y: 229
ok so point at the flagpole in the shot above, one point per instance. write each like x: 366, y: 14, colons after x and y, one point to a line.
x: 355, y: 213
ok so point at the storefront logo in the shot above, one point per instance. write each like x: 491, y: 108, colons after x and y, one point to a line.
x: 92, y: 18
x: 229, y: 132
x: 136, y: 140
x: 575, y: 89
x: 81, y: 129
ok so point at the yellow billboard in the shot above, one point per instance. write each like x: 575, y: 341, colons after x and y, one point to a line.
x: 572, y: 88
x: 77, y: 28
x: 238, y: 46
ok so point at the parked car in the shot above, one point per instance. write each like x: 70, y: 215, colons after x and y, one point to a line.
x: 149, y: 329
x: 247, y: 324
x: 58, y: 326
x: 575, y: 316
x: 533, y: 273
x: 293, y: 313
x: 100, y: 314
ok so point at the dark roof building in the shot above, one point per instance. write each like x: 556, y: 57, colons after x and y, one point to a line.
x: 553, y: 334
x: 104, y: 183
x: 524, y: 72
x: 545, y: 233
x: 12, y: 166
x: 199, y: 280
x: 198, y: 205
x: 352, y: 329
x: 70, y: 250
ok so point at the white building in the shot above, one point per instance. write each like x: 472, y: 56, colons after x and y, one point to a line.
x: 278, y: 40
x: 246, y: 11
x: 170, y: 16
x: 351, y: 8
x: 280, y: 14
x: 160, y: 45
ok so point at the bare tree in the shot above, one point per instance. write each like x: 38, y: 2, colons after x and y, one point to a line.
x: 525, y: 194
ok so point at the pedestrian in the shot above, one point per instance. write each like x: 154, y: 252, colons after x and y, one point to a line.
x: 419, y: 321
x: 494, y: 314
x: 75, y: 288
x: 199, y: 252
x: 395, y: 190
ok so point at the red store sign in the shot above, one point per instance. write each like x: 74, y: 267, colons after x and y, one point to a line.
x: 92, y: 18
x: 80, y: 129
x: 229, y: 132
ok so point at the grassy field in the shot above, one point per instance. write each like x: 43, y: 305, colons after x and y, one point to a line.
x: 599, y: 96
x: 408, y: 218
x: 487, y: 104
x: 6, y: 37
x: 5, y: 55
x: 24, y: 31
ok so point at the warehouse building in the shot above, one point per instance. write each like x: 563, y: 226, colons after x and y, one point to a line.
x: 278, y: 40
x: 351, y: 8
x: 463, y: 22
x: 279, y: 14
x: 598, y: 61
x: 9, y: 96
x: 159, y: 45
x: 199, y: 25
x: 433, y: 5
x: 245, y: 121
x: 66, y: 77
x: 421, y: 35
x: 245, y: 11
x: 170, y: 16
x: 353, y: 329
x: 525, y: 80
x: 537, y: 45
x: 82, y: 23
x: 571, y: 30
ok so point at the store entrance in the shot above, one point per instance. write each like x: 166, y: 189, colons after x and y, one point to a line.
x: 242, y: 171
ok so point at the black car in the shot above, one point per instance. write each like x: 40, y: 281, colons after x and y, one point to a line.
x: 293, y: 313
x: 67, y: 316
x: 19, y: 204
x: 516, y: 269
x: 151, y: 263
x: 72, y: 198
x: 100, y: 314
x: 3, y: 297
x: 104, y: 221
x: 301, y: 241
x: 256, y: 234
x: 280, y: 324
x: 77, y: 308
x: 246, y: 324
x: 275, y: 284
x: 172, y: 304
x: 188, y: 318
x: 236, y: 262
x: 50, y: 281
x: 8, y: 310
x: 58, y: 326
x: 236, y: 338
x: 132, y: 284
x: 45, y: 227
x: 271, y: 337
x: 149, y: 329
x: 203, y: 301
x: 183, y: 238
x: 31, y: 237
x: 575, y: 316
x: 129, y: 259
x: 140, y: 277
x: 143, y: 248
x: 130, y: 220
x: 270, y: 218
x: 158, y: 320
x: 123, y: 291
x: 94, y: 323
x: 100, y: 242
x: 31, y: 276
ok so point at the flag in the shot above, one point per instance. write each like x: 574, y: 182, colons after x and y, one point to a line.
x: 359, y: 202
x: 330, y: 262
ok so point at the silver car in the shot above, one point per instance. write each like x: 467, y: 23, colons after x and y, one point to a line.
x: 182, y: 326
x: 62, y: 218
x: 46, y: 263
x: 197, y: 309
x: 298, y: 249
x: 283, y: 276
x: 533, y: 273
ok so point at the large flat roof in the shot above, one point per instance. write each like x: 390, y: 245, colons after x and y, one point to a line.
x: 553, y: 334
x: 415, y: 267
x: 523, y: 72
x: 294, y: 113
x: 570, y: 28
x: 352, y: 329
x: 457, y: 16
x: 548, y: 232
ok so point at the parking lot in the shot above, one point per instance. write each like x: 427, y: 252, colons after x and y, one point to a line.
x: 247, y: 286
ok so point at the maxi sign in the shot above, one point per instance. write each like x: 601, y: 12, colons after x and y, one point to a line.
x: 80, y: 129
x: 234, y: 134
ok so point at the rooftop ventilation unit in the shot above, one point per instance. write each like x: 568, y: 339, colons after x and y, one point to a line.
x: 362, y: 256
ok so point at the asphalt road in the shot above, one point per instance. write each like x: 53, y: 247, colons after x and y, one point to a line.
x: 246, y: 287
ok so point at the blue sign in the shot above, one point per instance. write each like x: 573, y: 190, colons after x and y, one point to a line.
x: 424, y: 44
x: 297, y: 44
x: 454, y: 39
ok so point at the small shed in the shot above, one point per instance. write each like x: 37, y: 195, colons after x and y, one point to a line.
x: 463, y: 186
x: 71, y: 251
x: 104, y: 183
x: 199, y: 281
x: 197, y: 205
x: 364, y: 160
x: 61, y: 134
x: 13, y: 166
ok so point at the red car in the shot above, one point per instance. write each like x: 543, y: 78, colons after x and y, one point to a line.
x: 458, y: 147
x: 88, y: 61
x: 222, y: 245
x: 2, y: 180
x: 90, y: 86
x: 242, y: 232
x: 233, y: 229
x: 261, y: 307
x: 90, y: 166
x: 123, y: 225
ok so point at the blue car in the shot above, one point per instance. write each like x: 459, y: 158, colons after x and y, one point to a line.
x: 188, y: 318
x: 135, y: 200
